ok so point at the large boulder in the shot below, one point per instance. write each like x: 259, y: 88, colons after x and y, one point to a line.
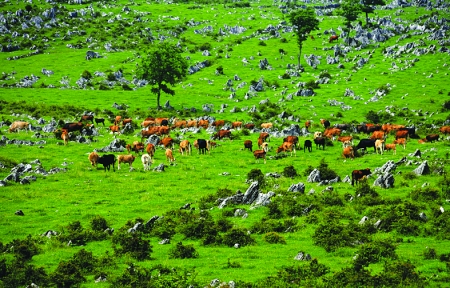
x: 314, y: 176
x: 423, y: 169
x: 252, y: 193
x: 299, y: 187
x: 385, y: 180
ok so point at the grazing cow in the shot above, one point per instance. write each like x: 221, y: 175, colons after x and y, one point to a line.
x: 291, y: 139
x: 179, y: 124
x: 378, y: 135
x: 248, y: 145
x: 307, y: 145
x: 333, y: 38
x: 203, y: 123
x: 147, y: 123
x: 421, y: 141
x: 317, y: 134
x: 125, y: 159
x: 222, y: 134
x: 114, y: 129
x: 287, y: 146
x: 146, y: 161
x: 100, y: 120
x: 73, y: 126
x: 365, y: 143
x: 345, y: 140
x: 117, y: 120
x: 325, y: 123
x: 370, y: 128
x: 169, y: 156
x: 343, y: 126
x: 264, y: 136
x: 107, y: 160
x: 167, y: 142
x: 163, y: 130
x: 401, y: 134
x: 331, y: 132
x: 162, y: 121
x: 379, y: 145
x: 260, y: 154
x: 236, y: 125
x: 347, y: 152
x: 65, y: 136
x: 307, y: 124
x: 150, y: 149
x: 126, y: 121
x: 249, y: 126
x: 401, y: 141
x: 185, y: 146
x: 87, y: 118
x: 218, y: 123
x: 432, y: 137
x: 392, y: 147
x: 192, y: 123
x: 93, y: 158
x: 212, y: 144
x: 320, y: 141
x: 357, y: 175
x: 138, y: 147
x: 445, y: 130
x: 150, y: 131
x: 202, y: 145
x: 267, y: 125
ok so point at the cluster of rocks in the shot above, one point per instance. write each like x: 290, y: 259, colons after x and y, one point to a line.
x: 26, y: 173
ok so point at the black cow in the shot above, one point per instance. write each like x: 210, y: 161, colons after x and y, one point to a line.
x: 165, y: 122
x: 366, y: 143
x: 357, y: 175
x: 320, y: 141
x: 100, y: 120
x: 202, y: 146
x: 432, y: 137
x: 107, y: 160
x: 73, y: 126
x: 307, y: 145
x: 343, y: 126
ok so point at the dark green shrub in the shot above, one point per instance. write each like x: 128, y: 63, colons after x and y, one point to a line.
x: 373, y: 252
x: 373, y: 117
x: 444, y: 257
x: 86, y: 75
x: 20, y: 274
x: 446, y: 105
x: 274, y: 238
x: 223, y: 225
x: 84, y: 260
x: 103, y: 86
x: 399, y: 273
x: 262, y: 43
x: 126, y: 87
x: 219, y: 70
x: 285, y: 76
x: 274, y: 210
x: 257, y: 175
x: 205, y: 46
x: 233, y: 264
x: 429, y: 253
x: 181, y: 251
x: 325, y: 74
x: 207, y: 202
x: 426, y: 194
x: 409, y: 176
x: 325, y: 172
x: 290, y: 172
x: 132, y: 244
x: 332, y: 235
x: 67, y: 274
x: 98, y: 223
x: 283, y: 40
x: 311, y: 84
x: 24, y: 249
x: 237, y: 235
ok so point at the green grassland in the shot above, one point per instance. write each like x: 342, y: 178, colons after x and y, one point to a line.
x: 124, y: 197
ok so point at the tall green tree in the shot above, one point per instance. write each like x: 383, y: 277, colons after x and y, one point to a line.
x: 367, y: 7
x: 163, y: 66
x: 350, y: 10
x: 304, y: 21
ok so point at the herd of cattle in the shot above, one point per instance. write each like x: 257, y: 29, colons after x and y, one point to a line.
x: 163, y: 126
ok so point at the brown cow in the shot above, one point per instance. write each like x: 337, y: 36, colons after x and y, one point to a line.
x: 287, y: 146
x: 203, y: 123
x: 345, y: 140
x: 401, y: 134
x: 125, y: 159
x: 192, y: 123
x: 18, y: 125
x: 222, y: 134
x: 249, y: 126
x: 114, y: 129
x: 333, y: 38
x: 236, y: 125
x: 150, y: 149
x: 147, y: 123
x: 264, y: 136
x: 445, y: 130
x: 348, y: 152
x: 87, y: 118
x: 218, y: 123
x: 137, y: 147
x: 432, y: 137
x: 307, y: 124
x: 248, y: 145
x: 167, y: 142
x: 73, y: 126
x: 169, y: 156
x: 162, y: 121
x: 163, y: 130
x: 401, y: 141
x: 378, y: 135
x: 331, y: 132
x: 185, y: 146
x: 392, y: 147
x: 357, y: 175
x: 65, y: 136
x: 93, y: 158
x: 179, y: 124
x: 117, y: 120
x: 325, y: 123
x: 150, y: 131
x: 291, y: 139
x: 126, y: 121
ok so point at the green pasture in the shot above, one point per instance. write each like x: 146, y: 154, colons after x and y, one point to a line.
x: 122, y: 197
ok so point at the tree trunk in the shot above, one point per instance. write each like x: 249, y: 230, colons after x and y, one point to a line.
x: 299, y: 55
x: 367, y: 19
x: 158, y: 106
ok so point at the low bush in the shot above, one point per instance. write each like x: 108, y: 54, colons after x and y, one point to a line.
x: 429, y: 253
x: 274, y: 238
x: 181, y: 251
x: 290, y: 172
x: 257, y: 175
x: 237, y: 236
x: 373, y: 252
x: 132, y: 244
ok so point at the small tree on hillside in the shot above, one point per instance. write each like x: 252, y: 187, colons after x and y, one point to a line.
x: 350, y: 10
x: 163, y: 66
x: 304, y: 21
x: 367, y: 7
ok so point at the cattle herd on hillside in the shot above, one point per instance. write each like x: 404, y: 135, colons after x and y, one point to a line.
x: 155, y: 133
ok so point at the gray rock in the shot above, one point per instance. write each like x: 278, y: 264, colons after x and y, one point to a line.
x: 159, y: 168
x: 423, y: 216
x: 416, y: 153
x: 299, y: 187
x: 314, y: 176
x: 263, y: 199
x: 164, y: 241
x: 388, y: 167
x: 19, y: 213
x: 302, y: 256
x: 363, y: 220
x: 385, y: 180
x: 423, y: 169
x: 251, y: 194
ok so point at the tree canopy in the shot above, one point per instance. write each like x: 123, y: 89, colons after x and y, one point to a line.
x: 163, y: 66
x: 350, y: 10
x: 367, y: 7
x: 304, y: 21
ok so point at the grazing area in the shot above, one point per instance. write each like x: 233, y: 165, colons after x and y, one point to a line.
x: 209, y: 144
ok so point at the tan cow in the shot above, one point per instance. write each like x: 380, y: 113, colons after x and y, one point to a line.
x: 65, y: 136
x: 401, y: 141
x: 169, y: 156
x: 93, y: 158
x: 185, y: 146
x: 347, y: 152
x: 287, y: 147
x: 125, y: 159
x: 390, y: 147
x: 18, y: 125
x: 267, y: 125
x: 150, y: 149
x: 379, y: 145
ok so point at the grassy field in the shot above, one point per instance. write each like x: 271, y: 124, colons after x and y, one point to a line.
x: 418, y: 96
